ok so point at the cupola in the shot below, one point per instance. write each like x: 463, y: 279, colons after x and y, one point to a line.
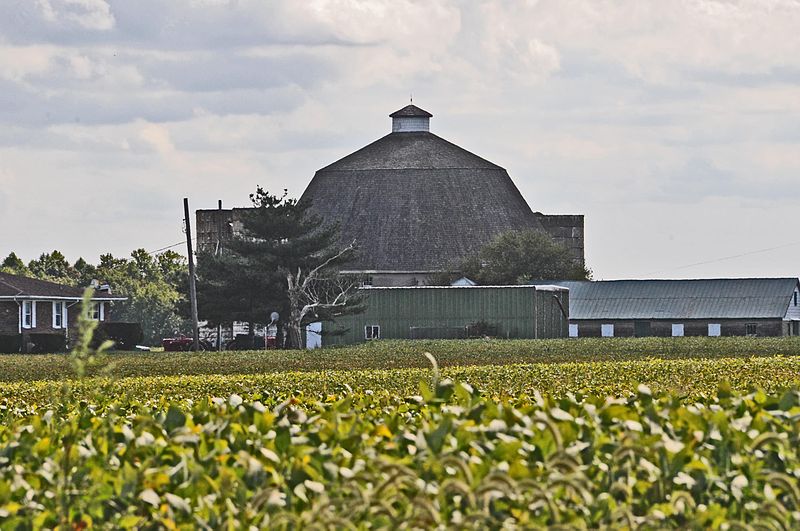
x: 410, y: 119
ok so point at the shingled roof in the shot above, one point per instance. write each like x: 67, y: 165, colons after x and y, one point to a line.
x: 720, y: 298
x: 416, y: 202
x: 411, y: 110
x: 17, y: 287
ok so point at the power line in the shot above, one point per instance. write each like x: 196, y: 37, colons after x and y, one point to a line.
x: 724, y: 258
x: 165, y: 248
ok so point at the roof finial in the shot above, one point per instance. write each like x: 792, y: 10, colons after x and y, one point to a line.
x: 411, y: 97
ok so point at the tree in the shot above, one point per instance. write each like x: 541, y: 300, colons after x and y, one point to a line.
x: 85, y: 271
x: 286, y: 259
x: 12, y: 264
x: 516, y: 257
x: 153, y: 286
x: 54, y: 267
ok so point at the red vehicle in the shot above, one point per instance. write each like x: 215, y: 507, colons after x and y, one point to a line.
x: 182, y: 344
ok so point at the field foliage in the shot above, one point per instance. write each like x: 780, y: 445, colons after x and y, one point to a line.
x: 447, y: 457
x: 406, y: 354
x: 569, y: 434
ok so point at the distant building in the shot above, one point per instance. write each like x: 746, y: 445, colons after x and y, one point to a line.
x: 31, y: 309
x: 415, y: 203
x: 451, y: 312
x: 704, y: 307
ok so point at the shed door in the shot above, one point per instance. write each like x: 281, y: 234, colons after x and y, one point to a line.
x: 607, y: 330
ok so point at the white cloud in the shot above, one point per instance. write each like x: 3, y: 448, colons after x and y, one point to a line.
x: 86, y: 14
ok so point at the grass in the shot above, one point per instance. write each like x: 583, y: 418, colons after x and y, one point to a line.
x: 405, y: 355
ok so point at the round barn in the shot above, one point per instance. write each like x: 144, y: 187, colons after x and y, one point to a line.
x: 417, y: 204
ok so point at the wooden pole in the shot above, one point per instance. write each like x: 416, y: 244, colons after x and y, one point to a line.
x: 219, y: 251
x: 192, y: 288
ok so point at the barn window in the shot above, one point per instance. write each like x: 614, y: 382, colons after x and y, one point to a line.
x: 366, y: 282
x: 607, y: 330
x: 573, y: 330
x: 751, y: 329
x: 59, y: 309
x: 714, y: 330
x: 372, y: 332
x: 28, y: 314
x: 677, y: 330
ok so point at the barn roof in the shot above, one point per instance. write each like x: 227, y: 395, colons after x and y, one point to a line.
x: 727, y: 298
x: 17, y: 287
x: 416, y: 202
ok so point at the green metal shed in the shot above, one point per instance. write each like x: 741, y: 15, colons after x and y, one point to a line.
x: 444, y: 312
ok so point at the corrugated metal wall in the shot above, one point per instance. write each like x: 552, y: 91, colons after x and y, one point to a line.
x: 516, y: 312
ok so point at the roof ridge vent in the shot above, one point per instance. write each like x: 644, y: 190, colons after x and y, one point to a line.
x: 410, y: 119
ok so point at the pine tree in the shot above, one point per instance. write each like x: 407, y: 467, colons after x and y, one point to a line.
x: 285, y: 260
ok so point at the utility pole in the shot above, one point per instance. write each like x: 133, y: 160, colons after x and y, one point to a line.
x: 192, y: 288
x: 219, y: 251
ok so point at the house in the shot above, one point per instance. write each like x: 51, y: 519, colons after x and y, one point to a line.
x: 415, y: 204
x: 449, y: 312
x: 39, y: 312
x: 701, y: 307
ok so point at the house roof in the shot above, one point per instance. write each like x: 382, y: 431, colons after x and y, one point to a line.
x: 416, y: 202
x: 726, y: 298
x: 17, y: 287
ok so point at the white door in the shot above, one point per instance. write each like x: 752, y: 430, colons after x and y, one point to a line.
x: 677, y: 330
x: 314, y: 335
x: 573, y: 330
x: 714, y: 330
x: 607, y: 330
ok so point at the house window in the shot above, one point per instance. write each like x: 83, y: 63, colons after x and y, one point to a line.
x: 372, y: 332
x: 28, y: 314
x: 677, y: 330
x: 97, y: 312
x: 59, y: 314
x: 751, y: 329
x: 607, y: 330
x: 714, y: 330
x: 573, y: 330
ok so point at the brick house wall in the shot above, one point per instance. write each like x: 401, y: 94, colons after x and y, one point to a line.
x: 10, y: 318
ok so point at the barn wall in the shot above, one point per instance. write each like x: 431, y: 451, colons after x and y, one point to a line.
x: 793, y: 312
x: 566, y: 229
x: 445, y: 312
x: 699, y: 327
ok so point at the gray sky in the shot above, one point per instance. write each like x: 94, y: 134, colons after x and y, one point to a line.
x: 674, y: 126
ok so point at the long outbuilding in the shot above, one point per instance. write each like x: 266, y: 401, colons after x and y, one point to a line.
x: 449, y: 312
x: 700, y: 307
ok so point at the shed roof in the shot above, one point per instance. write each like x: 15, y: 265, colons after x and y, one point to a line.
x: 15, y: 286
x: 724, y: 298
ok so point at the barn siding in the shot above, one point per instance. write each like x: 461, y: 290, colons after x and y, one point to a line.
x: 793, y: 312
x: 516, y: 312
x: 663, y: 328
